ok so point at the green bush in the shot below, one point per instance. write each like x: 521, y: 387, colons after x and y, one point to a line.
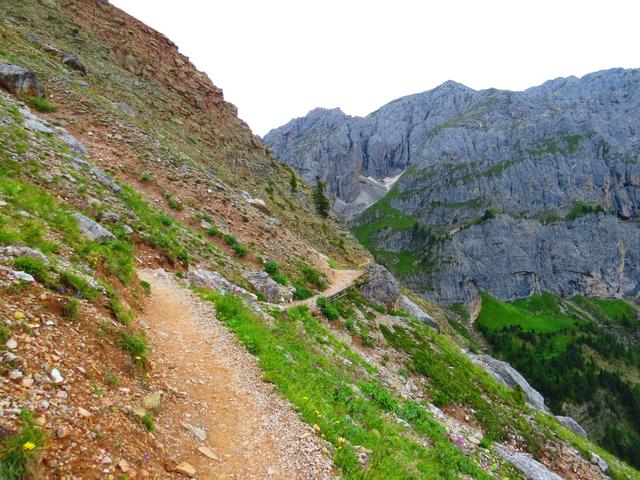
x: 123, y: 315
x: 78, y: 284
x: 5, y: 333
x: 41, y: 104
x: 147, y: 421
x: 212, y: 231
x: 581, y: 209
x: 21, y: 453
x: 146, y: 286
x: 135, y: 345
x: 271, y: 267
x: 323, y: 206
x: 71, y: 308
x: 328, y: 309
x: 302, y: 292
x: 229, y: 239
x: 239, y: 249
x: 146, y: 177
x: 34, y: 267
x: 313, y: 277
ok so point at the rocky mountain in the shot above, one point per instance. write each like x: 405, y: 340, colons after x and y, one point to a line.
x: 513, y: 193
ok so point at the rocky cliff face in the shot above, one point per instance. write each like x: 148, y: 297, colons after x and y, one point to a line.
x: 501, y: 190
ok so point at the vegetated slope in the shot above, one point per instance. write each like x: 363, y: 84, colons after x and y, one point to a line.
x: 581, y: 353
x: 92, y: 188
x: 513, y: 193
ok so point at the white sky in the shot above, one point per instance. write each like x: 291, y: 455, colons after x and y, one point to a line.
x: 278, y: 59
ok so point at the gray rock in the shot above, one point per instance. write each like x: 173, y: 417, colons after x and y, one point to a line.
x: 415, y: 311
x: 91, y: 230
x: 601, y: 463
x: 72, y: 142
x: 19, y: 81
x: 260, y: 205
x: 197, y: 432
x: 125, y: 107
x: 530, y: 468
x: 16, y: 251
x: 22, y: 276
x: 105, y: 179
x: 72, y: 62
x: 273, y: 292
x: 111, y: 217
x: 509, y: 377
x: 572, y: 425
x: 529, y: 155
x: 380, y: 286
x: 127, y: 230
x: 202, y: 278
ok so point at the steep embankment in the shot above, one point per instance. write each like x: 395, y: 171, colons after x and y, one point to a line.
x: 508, y: 192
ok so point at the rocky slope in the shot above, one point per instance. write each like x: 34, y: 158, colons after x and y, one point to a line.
x: 508, y: 192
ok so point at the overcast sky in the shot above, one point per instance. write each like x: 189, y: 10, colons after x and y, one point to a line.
x: 278, y: 59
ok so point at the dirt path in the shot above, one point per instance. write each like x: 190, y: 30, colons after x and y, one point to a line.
x: 253, y: 432
x: 339, y: 280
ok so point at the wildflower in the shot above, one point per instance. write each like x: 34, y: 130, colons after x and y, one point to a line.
x: 29, y: 446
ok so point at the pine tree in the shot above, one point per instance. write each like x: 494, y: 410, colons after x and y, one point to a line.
x: 323, y: 206
x: 293, y: 181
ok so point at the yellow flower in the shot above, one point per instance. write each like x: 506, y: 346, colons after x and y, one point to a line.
x: 138, y: 358
x: 29, y: 446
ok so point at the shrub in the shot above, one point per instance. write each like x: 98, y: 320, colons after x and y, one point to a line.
x: 313, y: 277
x: 112, y: 379
x: 212, y: 231
x: 271, y: 267
x: 78, y: 284
x: 41, y: 104
x: 293, y: 182
x: 123, y: 315
x: 135, y: 345
x: 5, y: 333
x: 21, y: 453
x: 146, y: 286
x: 146, y: 177
x: 239, y: 249
x: 174, y: 203
x: 328, y: 309
x: 147, y: 421
x: 229, y: 239
x: 34, y: 267
x: 302, y: 292
x: 71, y: 308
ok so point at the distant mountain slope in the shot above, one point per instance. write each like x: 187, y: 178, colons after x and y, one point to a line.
x: 509, y: 192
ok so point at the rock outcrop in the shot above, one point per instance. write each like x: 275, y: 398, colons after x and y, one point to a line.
x: 91, y: 230
x: 536, y: 159
x: 272, y: 291
x: 509, y: 377
x: 19, y: 81
x: 572, y: 425
x: 530, y: 468
x: 380, y: 286
x: 415, y: 311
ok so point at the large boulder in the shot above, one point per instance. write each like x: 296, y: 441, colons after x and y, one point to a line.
x: 509, y: 377
x: 380, y: 287
x: 273, y: 292
x: 19, y: 81
x: 91, y: 230
x: 199, y: 277
x: 415, y: 311
x: 572, y: 425
x: 530, y: 468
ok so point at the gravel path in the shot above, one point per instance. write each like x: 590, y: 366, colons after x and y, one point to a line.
x: 252, y: 431
x: 339, y: 280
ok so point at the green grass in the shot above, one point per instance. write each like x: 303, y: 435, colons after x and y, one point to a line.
x: 34, y: 267
x: 378, y: 217
x: 41, y: 104
x: 20, y: 453
x: 323, y: 391
x: 135, y: 344
x: 617, y: 312
x: 496, y: 315
x: 71, y: 308
x: 580, y: 209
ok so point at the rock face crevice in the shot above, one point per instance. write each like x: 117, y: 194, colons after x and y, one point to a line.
x: 514, y: 192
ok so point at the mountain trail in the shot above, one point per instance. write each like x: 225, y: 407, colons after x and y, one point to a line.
x: 339, y: 280
x: 252, y: 432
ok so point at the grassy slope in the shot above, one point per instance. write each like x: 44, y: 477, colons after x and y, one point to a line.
x: 567, y: 351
